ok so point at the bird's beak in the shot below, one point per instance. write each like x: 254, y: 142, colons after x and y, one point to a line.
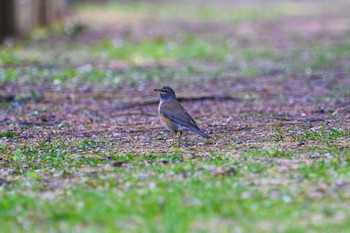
x: 157, y: 90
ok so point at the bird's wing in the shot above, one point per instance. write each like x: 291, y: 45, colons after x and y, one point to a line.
x: 177, y: 113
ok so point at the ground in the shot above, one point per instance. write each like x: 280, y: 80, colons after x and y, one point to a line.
x: 82, y: 148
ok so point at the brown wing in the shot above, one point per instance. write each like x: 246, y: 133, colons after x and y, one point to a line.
x: 178, y: 114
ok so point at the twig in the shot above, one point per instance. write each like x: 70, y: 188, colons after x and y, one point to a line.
x: 181, y: 99
x: 342, y: 105
x: 10, y: 98
x: 26, y: 122
x: 7, y: 97
x: 309, y: 119
x: 35, y: 123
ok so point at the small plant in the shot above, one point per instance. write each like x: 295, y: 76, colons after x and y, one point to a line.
x: 279, y: 136
x: 8, y: 134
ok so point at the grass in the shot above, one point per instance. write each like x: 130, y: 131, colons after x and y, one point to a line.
x: 159, y: 49
x: 57, y: 185
x: 70, y: 161
x: 71, y: 64
x: 149, y: 52
x: 209, y: 12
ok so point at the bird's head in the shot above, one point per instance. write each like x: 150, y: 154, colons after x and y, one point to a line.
x: 166, y: 93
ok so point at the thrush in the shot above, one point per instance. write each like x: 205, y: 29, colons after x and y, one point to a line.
x: 174, y: 116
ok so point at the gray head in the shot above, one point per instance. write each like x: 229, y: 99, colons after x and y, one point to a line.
x: 166, y: 93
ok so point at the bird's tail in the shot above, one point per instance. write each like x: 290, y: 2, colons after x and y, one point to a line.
x: 200, y: 133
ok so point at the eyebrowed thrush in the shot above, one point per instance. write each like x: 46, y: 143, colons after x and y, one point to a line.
x: 174, y: 116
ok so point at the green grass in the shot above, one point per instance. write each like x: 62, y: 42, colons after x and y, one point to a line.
x: 8, y: 57
x: 85, y: 185
x: 168, y: 192
x: 191, y: 51
x: 7, y: 134
x: 160, y: 49
x: 74, y: 64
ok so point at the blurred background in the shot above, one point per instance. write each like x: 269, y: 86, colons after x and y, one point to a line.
x: 18, y: 17
x: 106, y: 43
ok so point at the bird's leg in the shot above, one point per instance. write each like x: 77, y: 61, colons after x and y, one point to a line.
x: 172, y: 144
x: 185, y: 138
x: 180, y: 139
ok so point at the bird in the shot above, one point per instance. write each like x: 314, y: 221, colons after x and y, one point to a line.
x: 174, y: 116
